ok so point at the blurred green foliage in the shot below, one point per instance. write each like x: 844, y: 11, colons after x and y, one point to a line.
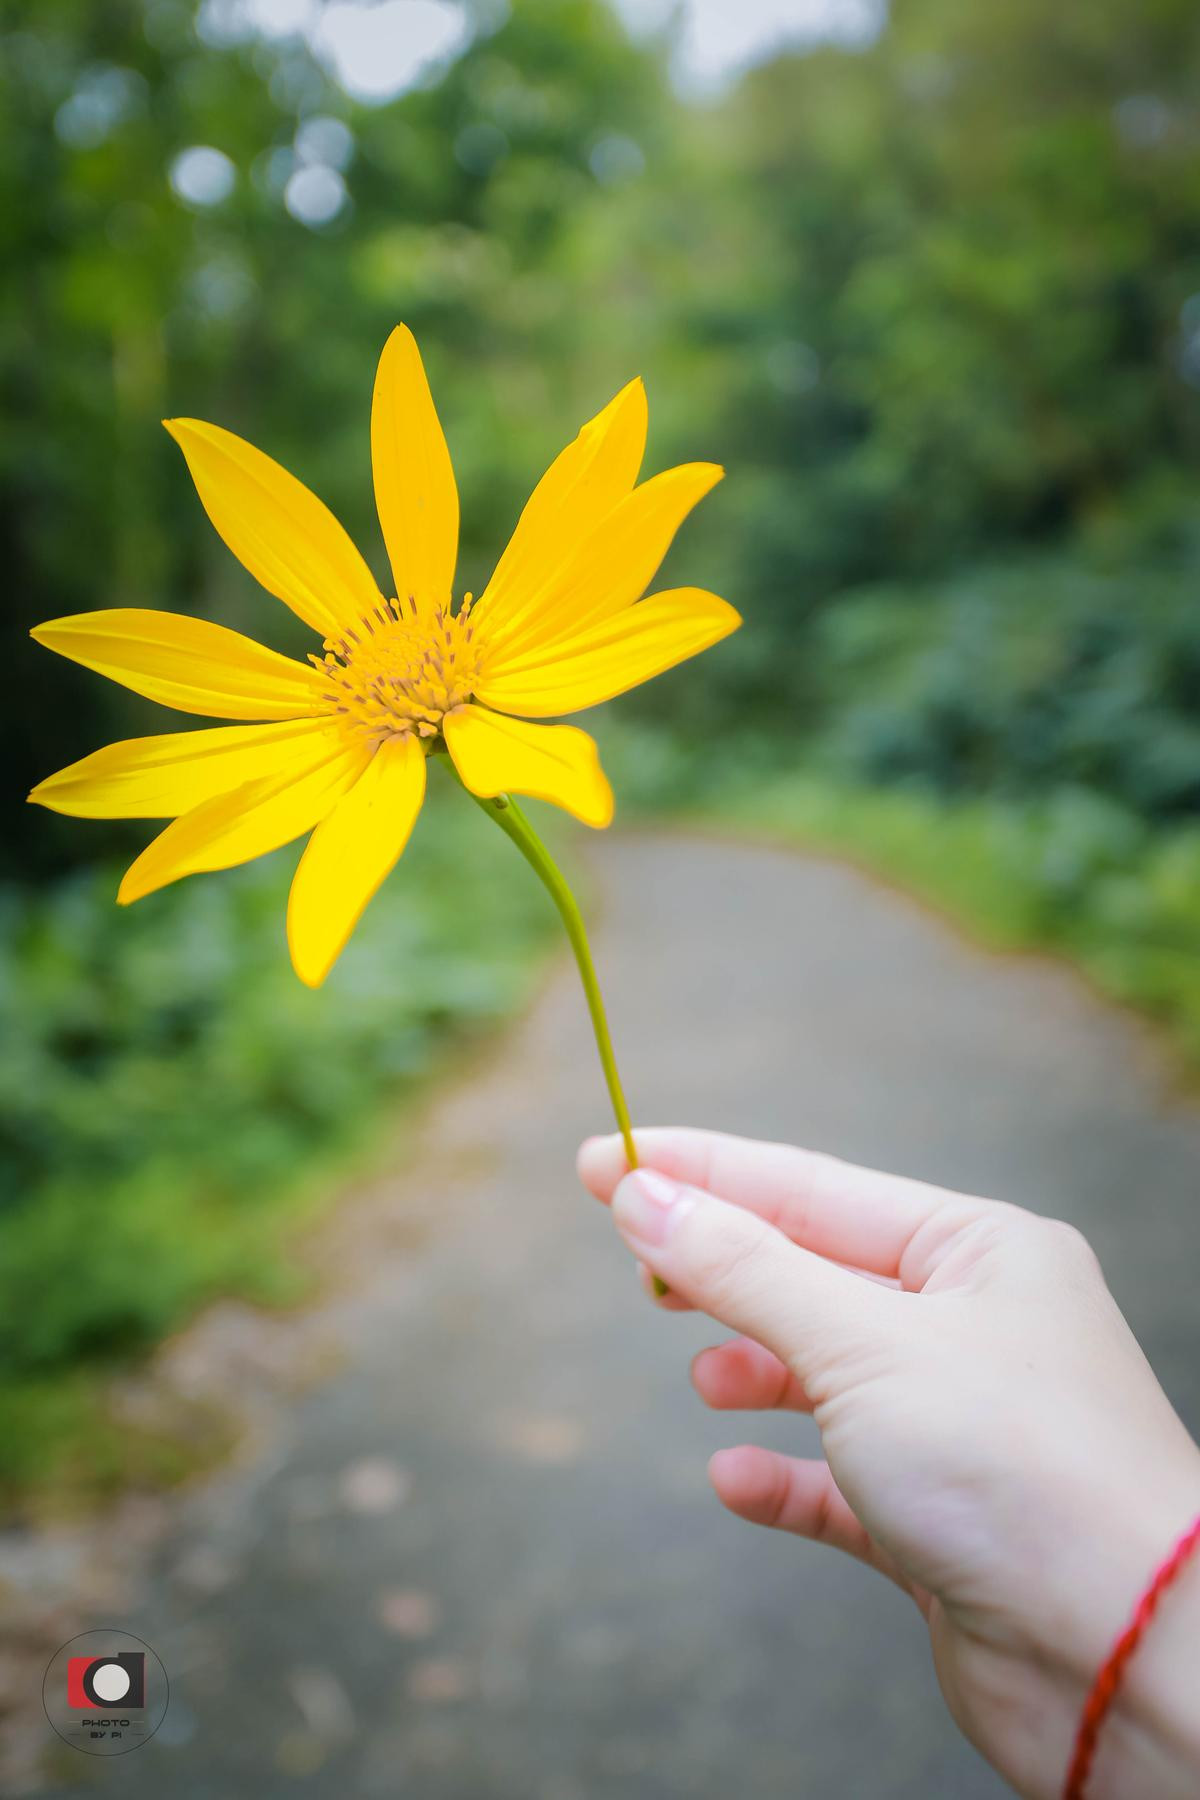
x: 125, y: 305
x: 175, y: 1102
x: 1019, y: 677
x: 934, y: 300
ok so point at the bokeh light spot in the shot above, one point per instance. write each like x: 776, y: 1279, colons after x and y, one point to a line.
x: 324, y: 140
x: 202, y: 176
x: 315, y: 195
x: 615, y: 159
x: 377, y: 52
x: 103, y: 96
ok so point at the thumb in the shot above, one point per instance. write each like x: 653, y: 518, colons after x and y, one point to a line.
x: 735, y: 1266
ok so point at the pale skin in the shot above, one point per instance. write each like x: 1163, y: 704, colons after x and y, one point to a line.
x: 994, y: 1440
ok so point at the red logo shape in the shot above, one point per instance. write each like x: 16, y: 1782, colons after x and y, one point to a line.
x: 121, y: 1683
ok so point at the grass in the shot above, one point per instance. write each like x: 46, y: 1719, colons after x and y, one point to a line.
x: 176, y: 1107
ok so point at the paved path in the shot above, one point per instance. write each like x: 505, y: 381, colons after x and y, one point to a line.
x: 479, y: 1561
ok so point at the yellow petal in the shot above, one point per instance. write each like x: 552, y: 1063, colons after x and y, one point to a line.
x: 414, y: 481
x: 252, y: 820
x: 189, y: 664
x: 277, y: 528
x: 161, y: 777
x: 618, y: 654
x: 350, y: 854
x: 495, y: 755
x: 578, y: 490
x: 607, y: 571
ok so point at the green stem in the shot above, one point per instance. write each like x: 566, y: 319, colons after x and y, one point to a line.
x: 514, y: 824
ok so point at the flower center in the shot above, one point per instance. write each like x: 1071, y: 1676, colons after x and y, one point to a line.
x: 402, y: 668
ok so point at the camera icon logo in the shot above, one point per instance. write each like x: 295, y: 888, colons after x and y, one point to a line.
x: 107, y: 1681
x: 105, y: 1692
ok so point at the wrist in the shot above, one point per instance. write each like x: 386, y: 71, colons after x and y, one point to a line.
x: 1148, y: 1741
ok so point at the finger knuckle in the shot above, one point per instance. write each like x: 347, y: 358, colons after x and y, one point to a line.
x: 778, y: 1498
x: 1070, y: 1243
x: 822, y: 1516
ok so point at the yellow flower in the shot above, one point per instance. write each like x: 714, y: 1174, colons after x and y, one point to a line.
x: 338, y: 748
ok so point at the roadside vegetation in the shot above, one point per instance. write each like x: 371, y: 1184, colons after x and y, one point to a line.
x: 932, y: 298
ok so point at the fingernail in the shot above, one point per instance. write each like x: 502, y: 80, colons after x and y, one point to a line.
x: 647, y: 1204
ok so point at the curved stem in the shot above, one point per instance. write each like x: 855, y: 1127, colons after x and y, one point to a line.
x: 514, y: 824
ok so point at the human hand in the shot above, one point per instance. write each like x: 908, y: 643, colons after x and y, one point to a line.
x: 995, y: 1441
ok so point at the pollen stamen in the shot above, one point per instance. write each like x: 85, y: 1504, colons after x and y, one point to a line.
x: 408, y: 671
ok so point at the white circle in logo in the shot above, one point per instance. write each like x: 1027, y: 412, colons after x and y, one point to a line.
x: 111, y: 1682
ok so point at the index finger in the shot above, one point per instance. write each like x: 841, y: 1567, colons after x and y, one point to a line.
x: 852, y: 1215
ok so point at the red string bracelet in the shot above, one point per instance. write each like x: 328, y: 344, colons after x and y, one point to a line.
x: 1105, y: 1686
